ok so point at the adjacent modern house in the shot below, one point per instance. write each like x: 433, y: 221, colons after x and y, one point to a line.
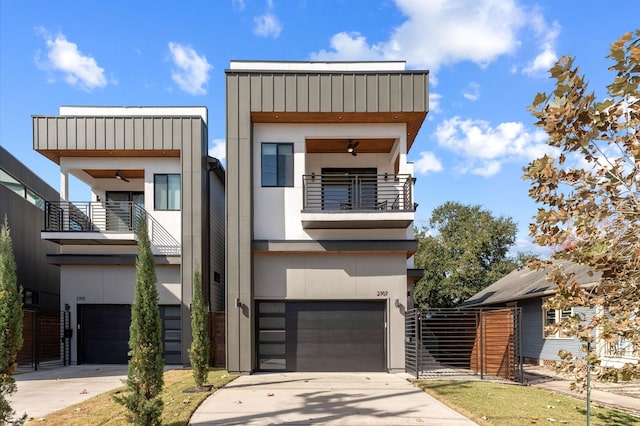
x: 140, y: 163
x: 22, y: 202
x: 528, y: 289
x: 320, y: 214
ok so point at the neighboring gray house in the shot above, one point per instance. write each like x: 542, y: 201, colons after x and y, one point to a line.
x: 320, y: 213
x: 527, y: 289
x: 22, y: 199
x: 139, y: 162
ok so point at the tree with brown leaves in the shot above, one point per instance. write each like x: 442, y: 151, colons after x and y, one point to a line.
x: 590, y: 199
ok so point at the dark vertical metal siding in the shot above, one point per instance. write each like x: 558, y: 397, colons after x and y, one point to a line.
x: 309, y: 92
x: 216, y: 241
x: 109, y: 133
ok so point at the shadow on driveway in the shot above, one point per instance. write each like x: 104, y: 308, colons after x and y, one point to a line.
x: 327, y: 398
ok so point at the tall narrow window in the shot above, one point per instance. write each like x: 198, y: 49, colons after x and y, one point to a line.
x: 277, y: 164
x: 167, y: 192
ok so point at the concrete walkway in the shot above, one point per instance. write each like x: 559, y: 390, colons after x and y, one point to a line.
x: 620, y: 396
x: 45, y: 391
x: 324, y: 398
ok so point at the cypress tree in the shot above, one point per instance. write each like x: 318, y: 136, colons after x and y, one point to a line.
x: 145, y: 377
x: 10, y: 325
x: 199, y: 352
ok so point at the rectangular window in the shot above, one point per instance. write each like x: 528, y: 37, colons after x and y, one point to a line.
x: 167, y: 192
x: 622, y: 347
x: 21, y: 190
x: 552, y: 317
x: 277, y: 164
x: 30, y: 297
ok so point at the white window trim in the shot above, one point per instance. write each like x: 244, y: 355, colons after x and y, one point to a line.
x: 556, y: 335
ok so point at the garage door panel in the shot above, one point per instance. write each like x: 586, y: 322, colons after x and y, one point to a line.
x: 104, y: 333
x: 324, y: 336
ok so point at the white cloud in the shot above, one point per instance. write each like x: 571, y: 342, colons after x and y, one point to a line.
x: 472, y: 92
x: 484, y: 149
x: 238, y: 4
x: 192, y: 73
x: 79, y: 70
x: 434, y: 105
x: 526, y: 245
x: 349, y: 47
x: 267, y: 25
x: 438, y: 32
x: 427, y: 162
x: 487, y: 169
x: 217, y: 149
x: 539, y: 65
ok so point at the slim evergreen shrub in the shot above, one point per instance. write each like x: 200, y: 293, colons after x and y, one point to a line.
x: 10, y: 325
x: 145, y: 377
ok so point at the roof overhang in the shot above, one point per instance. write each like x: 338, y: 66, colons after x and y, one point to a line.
x: 413, y: 120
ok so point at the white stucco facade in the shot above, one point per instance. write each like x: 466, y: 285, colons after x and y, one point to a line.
x: 278, y: 211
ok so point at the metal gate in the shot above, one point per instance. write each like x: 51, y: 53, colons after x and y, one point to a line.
x: 46, y: 339
x: 459, y: 342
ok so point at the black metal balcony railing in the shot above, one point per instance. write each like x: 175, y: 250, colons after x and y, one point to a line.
x: 335, y: 192
x: 120, y: 216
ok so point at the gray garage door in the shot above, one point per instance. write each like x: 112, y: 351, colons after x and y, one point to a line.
x: 321, y: 336
x: 103, y: 334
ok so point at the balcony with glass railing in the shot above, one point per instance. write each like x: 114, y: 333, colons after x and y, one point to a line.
x: 110, y: 223
x: 357, y: 201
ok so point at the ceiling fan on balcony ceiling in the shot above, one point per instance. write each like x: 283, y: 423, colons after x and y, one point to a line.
x: 120, y: 177
x: 351, y: 147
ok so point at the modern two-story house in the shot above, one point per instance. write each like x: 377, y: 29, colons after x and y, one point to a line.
x: 140, y: 163
x: 22, y: 202
x: 22, y: 199
x: 320, y: 213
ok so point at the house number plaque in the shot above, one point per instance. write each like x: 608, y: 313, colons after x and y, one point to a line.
x: 383, y: 293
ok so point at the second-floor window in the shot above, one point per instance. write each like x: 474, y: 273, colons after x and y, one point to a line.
x: 21, y: 190
x: 166, y: 192
x: 277, y: 164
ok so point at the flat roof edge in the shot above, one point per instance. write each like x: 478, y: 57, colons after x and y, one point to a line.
x: 254, y: 65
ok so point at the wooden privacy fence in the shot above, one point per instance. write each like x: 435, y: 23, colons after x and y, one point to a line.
x: 46, y: 338
x: 458, y: 342
x: 217, y: 357
x: 493, y: 350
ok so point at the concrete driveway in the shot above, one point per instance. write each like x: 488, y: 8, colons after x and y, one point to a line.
x: 324, y: 398
x: 45, y: 391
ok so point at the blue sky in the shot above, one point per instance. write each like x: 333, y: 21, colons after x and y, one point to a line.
x: 487, y: 59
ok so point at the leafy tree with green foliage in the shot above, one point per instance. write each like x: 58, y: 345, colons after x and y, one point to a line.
x: 145, y: 377
x: 10, y: 325
x: 465, y: 250
x: 199, y: 352
x: 590, y: 197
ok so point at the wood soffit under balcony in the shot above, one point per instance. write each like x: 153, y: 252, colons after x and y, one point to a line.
x: 111, y: 173
x: 413, y: 120
x: 55, y: 154
x: 339, y: 146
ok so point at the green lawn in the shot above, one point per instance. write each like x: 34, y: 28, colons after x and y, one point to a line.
x: 103, y: 410
x: 489, y: 403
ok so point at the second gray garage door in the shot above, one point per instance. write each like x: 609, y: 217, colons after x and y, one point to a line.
x: 321, y: 336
